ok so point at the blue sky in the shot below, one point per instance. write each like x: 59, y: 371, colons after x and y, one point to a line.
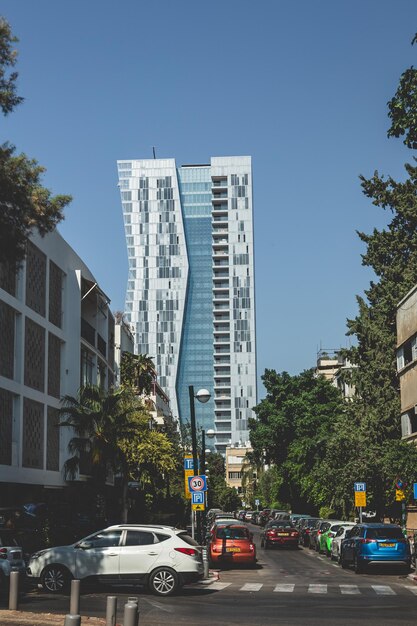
x: 300, y: 86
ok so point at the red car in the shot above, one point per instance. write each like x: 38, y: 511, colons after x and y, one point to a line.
x: 279, y: 533
x: 232, y: 543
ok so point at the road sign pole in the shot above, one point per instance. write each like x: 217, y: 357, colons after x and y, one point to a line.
x: 360, y: 515
x: 194, y: 445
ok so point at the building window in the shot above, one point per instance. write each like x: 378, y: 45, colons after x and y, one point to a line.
x: 235, y: 475
x: 34, y: 355
x: 7, y: 334
x: 35, y: 279
x: 87, y: 364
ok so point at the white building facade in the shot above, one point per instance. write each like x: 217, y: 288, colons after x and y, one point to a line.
x: 56, y: 333
x: 190, y: 294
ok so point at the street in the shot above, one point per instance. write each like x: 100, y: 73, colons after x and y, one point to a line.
x: 289, y: 587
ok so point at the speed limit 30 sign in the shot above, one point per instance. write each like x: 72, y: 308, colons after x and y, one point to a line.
x: 197, y: 483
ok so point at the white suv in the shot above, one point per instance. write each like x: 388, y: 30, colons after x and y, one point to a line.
x: 162, y: 557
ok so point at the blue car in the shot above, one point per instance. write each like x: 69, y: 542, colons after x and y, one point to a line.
x: 368, y: 544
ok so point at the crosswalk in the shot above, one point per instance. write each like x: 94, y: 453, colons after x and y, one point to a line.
x: 315, y: 589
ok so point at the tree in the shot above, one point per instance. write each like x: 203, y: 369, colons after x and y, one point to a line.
x: 137, y: 371
x: 392, y: 255
x: 100, y: 421
x: 25, y: 205
x: 291, y: 430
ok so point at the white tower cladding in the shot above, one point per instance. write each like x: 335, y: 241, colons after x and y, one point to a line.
x: 190, y: 294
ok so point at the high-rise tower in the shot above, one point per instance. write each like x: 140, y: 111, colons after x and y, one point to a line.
x: 190, y: 295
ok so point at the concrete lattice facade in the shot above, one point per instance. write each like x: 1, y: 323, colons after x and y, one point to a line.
x: 56, y: 333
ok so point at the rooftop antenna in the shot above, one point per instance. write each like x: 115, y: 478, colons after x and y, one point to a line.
x: 154, y: 153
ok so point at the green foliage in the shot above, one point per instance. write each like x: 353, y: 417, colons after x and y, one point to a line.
x: 326, y: 512
x: 291, y: 431
x: 137, y: 371
x: 25, y: 205
x: 8, y: 56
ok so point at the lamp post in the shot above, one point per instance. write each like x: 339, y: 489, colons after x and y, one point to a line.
x: 202, y: 396
x: 210, y: 434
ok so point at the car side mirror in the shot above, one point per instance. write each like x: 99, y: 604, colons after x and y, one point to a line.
x: 85, y: 545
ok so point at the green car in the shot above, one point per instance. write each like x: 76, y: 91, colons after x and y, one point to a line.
x: 326, y: 538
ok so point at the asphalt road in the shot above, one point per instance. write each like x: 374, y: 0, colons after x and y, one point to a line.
x: 288, y: 588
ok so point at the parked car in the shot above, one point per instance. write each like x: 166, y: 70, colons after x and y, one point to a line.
x: 162, y: 557
x: 320, y: 527
x: 279, y: 533
x: 295, y: 517
x: 11, y: 557
x: 264, y: 516
x: 248, y: 516
x: 338, y: 538
x: 306, y: 529
x: 232, y: 544
x: 367, y: 544
x: 325, y: 539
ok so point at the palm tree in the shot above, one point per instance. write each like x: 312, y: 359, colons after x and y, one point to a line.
x: 100, y: 421
x: 138, y: 371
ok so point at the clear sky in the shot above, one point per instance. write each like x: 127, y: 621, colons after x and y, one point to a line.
x: 299, y: 85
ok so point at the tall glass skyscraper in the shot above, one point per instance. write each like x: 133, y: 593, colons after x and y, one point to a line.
x: 190, y: 294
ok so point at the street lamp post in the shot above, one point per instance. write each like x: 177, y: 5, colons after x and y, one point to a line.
x: 202, y: 396
x: 210, y: 434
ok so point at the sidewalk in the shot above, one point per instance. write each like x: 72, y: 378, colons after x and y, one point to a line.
x: 25, y: 618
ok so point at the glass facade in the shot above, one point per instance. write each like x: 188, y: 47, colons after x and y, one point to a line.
x: 190, y: 291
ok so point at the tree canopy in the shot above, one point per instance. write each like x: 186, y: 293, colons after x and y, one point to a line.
x: 25, y: 204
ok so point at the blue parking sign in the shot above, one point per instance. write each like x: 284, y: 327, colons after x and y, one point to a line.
x: 197, y: 497
x: 360, y: 486
x: 415, y: 490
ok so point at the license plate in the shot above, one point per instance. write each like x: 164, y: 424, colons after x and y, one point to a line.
x: 387, y: 545
x: 283, y: 534
x: 232, y: 549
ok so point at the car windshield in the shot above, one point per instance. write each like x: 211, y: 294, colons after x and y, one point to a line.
x: 230, y: 532
x: 384, y: 533
x: 279, y: 524
x: 334, y: 528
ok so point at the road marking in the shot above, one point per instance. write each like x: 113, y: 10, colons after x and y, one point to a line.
x: 412, y: 589
x: 252, y: 587
x: 349, y: 589
x: 383, y: 590
x: 317, y: 589
x: 217, y: 586
x: 284, y: 588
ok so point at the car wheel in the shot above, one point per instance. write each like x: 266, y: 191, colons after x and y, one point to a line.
x: 266, y: 545
x: 357, y: 565
x: 332, y: 557
x: 55, y: 578
x: 343, y: 561
x: 327, y: 552
x: 262, y: 543
x: 163, y: 581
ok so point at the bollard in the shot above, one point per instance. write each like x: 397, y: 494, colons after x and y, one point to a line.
x: 205, y: 563
x: 130, y: 614
x: 13, y: 591
x: 111, y: 611
x: 72, y: 620
x: 75, y: 598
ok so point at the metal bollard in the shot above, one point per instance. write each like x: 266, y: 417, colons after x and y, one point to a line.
x: 72, y: 620
x: 75, y: 598
x: 205, y: 563
x: 13, y: 591
x: 130, y: 614
x: 111, y: 611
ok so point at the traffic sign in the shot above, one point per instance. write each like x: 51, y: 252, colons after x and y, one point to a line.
x: 256, y: 502
x: 189, y: 463
x: 359, y: 487
x: 415, y: 490
x: 399, y: 495
x: 198, y: 507
x: 360, y: 498
x: 197, y: 497
x: 197, y: 483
